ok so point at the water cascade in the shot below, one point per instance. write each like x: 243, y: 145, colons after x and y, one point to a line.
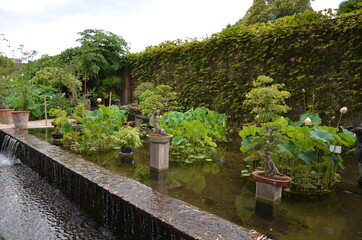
x: 9, y: 146
x: 30, y: 208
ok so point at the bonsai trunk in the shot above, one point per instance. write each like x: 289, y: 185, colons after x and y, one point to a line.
x: 270, y: 166
x: 156, y: 124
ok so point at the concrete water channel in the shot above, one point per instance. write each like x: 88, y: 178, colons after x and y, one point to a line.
x: 214, y: 187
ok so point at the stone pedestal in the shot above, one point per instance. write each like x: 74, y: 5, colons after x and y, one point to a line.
x: 159, y: 152
x: 268, y: 198
x: 268, y: 195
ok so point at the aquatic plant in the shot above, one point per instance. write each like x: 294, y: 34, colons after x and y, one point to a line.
x: 195, y: 132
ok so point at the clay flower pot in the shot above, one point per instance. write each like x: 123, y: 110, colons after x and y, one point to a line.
x: 281, y: 182
x: 20, y: 119
x: 5, y: 116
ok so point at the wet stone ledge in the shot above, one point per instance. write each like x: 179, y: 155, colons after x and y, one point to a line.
x: 131, y: 210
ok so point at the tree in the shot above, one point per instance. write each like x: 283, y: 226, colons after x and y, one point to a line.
x: 349, y: 6
x: 100, y: 54
x: 263, y: 11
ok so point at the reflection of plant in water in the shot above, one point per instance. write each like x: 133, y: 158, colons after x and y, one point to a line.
x: 194, y: 177
x: 307, y: 221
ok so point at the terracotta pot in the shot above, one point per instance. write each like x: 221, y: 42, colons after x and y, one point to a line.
x: 271, y: 181
x: 20, y: 119
x: 159, y: 139
x: 5, y: 116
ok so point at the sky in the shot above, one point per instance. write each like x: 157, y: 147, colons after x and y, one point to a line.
x: 51, y: 26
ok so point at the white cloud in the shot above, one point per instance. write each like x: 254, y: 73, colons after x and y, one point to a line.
x: 29, y: 6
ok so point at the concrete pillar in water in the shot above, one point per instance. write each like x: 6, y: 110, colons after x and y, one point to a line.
x: 268, y: 198
x: 159, y: 152
x: 268, y: 195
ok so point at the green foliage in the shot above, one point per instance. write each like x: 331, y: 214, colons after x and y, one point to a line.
x: 61, y: 120
x: 301, y: 152
x: 195, y: 132
x: 308, y: 51
x: 266, y: 100
x: 55, y: 77
x: 263, y: 11
x: 160, y: 100
x: 127, y: 137
x: 261, y: 143
x: 100, y: 57
x: 99, y: 129
x: 140, y: 89
x: 349, y: 6
x: 79, y: 111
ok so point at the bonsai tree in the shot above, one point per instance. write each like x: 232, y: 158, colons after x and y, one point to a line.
x: 262, y: 143
x: 267, y: 102
x: 156, y: 102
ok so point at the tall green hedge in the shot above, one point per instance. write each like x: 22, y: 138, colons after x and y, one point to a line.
x: 310, y: 51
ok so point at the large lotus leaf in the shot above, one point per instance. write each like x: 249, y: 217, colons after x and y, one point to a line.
x: 289, y: 147
x: 247, y: 144
x: 176, y: 140
x: 93, y: 114
x: 308, y: 156
x: 334, y: 159
x: 346, y: 138
x: 314, y: 117
x: 323, y: 135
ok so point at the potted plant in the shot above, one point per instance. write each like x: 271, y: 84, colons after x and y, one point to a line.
x: 21, y: 99
x: 155, y: 103
x: 261, y: 143
x: 5, y: 114
x: 60, y: 122
x: 267, y: 102
x: 127, y: 139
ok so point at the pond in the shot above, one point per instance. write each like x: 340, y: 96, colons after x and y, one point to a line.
x: 217, y: 187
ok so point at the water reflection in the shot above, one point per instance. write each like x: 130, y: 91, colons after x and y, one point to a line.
x: 217, y: 187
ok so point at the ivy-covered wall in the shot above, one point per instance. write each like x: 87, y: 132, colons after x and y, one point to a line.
x: 308, y: 51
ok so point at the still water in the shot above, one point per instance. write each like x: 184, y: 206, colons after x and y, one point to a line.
x: 218, y: 187
x: 32, y: 209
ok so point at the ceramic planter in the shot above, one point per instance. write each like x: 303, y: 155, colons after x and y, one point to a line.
x: 159, y: 151
x: 20, y: 119
x: 5, y: 116
x: 275, y: 182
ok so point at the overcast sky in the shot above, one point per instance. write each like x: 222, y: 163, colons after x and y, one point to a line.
x: 51, y: 26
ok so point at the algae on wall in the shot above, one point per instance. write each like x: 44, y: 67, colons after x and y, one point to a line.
x: 308, y: 51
